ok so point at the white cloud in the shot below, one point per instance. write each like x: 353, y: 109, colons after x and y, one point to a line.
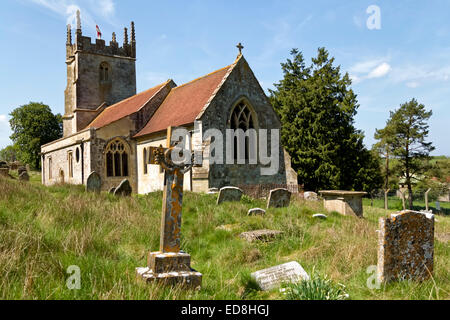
x: 3, y: 118
x: 370, y: 69
x: 68, y: 10
x: 380, y: 71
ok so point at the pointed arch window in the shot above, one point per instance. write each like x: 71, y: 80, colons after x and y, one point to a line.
x: 242, y: 118
x: 116, y: 159
x: 104, y: 72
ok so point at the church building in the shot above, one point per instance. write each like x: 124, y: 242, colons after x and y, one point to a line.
x: 108, y: 127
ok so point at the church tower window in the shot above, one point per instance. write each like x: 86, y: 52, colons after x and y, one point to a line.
x: 104, y: 72
x: 116, y: 159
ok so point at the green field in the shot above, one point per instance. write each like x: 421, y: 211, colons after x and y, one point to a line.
x: 44, y: 230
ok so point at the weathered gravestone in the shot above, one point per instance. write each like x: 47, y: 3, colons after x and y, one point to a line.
x: 111, y: 191
x: 256, y: 212
x: 272, y: 278
x: 24, y: 176
x: 310, y: 196
x: 93, y: 182
x: 124, y: 189
x: 406, y: 246
x: 319, y: 216
x: 170, y: 265
x: 260, y: 235
x: 231, y: 194
x: 279, y: 198
x: 21, y: 169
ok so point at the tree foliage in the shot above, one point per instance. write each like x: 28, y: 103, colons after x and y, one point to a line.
x: 317, y: 107
x: 34, y: 125
x: 409, y: 133
x: 9, y: 153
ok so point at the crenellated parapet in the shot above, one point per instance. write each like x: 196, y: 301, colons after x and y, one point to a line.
x: 85, y: 44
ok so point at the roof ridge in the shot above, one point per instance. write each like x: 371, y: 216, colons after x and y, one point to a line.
x: 199, y: 78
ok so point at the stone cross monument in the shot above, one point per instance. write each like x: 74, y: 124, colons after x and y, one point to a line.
x: 170, y: 265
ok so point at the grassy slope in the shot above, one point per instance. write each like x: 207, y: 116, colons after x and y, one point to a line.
x: 45, y: 230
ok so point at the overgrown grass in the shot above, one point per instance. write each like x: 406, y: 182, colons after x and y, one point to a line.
x: 44, y: 230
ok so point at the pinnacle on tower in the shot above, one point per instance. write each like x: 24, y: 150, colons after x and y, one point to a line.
x: 78, y: 21
x: 125, y: 36
x: 69, y: 35
x: 114, y: 37
x: 133, y: 35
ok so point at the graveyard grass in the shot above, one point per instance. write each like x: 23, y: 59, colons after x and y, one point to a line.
x: 44, y: 230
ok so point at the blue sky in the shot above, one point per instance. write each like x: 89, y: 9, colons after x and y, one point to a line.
x: 408, y: 57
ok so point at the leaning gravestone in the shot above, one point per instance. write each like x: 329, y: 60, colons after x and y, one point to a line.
x: 272, y: 278
x: 24, y: 176
x: 231, y: 194
x: 124, y: 189
x: 406, y: 246
x: 279, y: 198
x: 93, y: 182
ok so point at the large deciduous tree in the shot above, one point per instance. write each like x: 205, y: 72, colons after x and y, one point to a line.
x: 317, y: 107
x: 34, y: 125
x: 410, y: 131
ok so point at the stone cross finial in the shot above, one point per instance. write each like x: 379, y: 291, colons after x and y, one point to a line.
x: 240, y: 47
x: 78, y: 20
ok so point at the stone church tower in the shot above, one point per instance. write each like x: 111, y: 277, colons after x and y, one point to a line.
x: 98, y: 76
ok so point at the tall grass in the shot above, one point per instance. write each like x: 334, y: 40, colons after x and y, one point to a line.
x: 44, y: 230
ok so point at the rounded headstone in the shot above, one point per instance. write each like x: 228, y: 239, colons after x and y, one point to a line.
x: 232, y: 194
x: 256, y: 212
x: 124, y: 189
x: 279, y: 198
x: 319, y: 216
x: 310, y: 196
x: 21, y: 169
x: 24, y: 176
x: 94, y: 182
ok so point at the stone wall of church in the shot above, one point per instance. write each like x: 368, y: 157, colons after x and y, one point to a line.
x: 56, y: 164
x: 119, y: 129
x: 153, y: 179
x: 242, y: 84
x: 91, y: 92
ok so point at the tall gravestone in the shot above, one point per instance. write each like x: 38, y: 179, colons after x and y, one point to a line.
x: 93, y: 182
x: 279, y: 198
x: 406, y: 246
x: 229, y: 194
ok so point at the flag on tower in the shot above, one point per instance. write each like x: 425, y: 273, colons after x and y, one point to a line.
x: 99, y: 33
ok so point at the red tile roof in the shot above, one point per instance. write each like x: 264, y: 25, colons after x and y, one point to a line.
x: 124, y: 108
x: 184, y: 103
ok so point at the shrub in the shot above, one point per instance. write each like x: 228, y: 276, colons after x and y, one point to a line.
x: 316, y: 288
